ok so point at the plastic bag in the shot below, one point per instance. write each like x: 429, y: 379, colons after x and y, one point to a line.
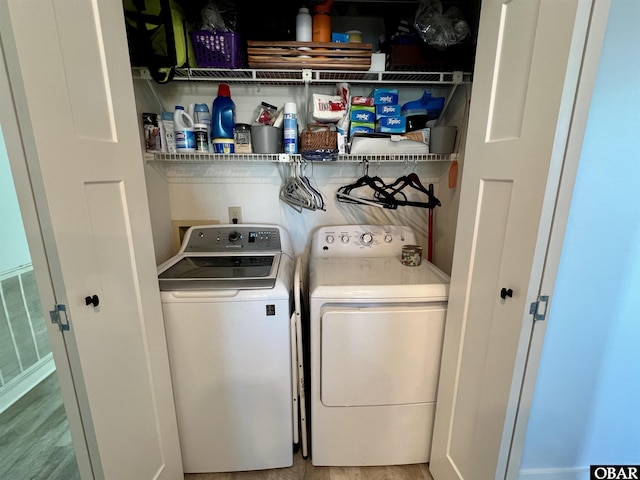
x: 439, y: 29
x: 219, y: 16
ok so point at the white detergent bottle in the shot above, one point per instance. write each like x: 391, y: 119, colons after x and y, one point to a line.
x: 184, y: 131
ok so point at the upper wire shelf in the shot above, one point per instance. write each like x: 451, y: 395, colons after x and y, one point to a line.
x: 300, y: 77
x: 211, y: 158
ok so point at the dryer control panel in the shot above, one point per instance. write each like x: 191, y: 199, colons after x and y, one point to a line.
x: 361, y: 240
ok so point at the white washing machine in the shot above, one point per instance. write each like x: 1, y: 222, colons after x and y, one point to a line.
x: 226, y: 300
x: 376, y: 331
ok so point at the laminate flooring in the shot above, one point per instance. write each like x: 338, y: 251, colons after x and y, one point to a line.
x: 23, y: 332
x: 303, y: 470
x: 35, y: 443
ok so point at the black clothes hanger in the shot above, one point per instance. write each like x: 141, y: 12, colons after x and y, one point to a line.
x: 380, y: 196
x: 412, y: 180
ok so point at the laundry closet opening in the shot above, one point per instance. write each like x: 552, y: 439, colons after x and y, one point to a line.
x: 200, y: 189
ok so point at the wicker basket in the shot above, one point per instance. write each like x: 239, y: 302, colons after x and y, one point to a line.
x: 318, y: 136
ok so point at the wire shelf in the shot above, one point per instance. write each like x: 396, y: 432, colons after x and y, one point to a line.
x: 300, y: 77
x: 215, y: 168
x: 213, y: 158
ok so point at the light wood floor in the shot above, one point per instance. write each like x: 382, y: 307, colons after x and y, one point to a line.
x: 303, y: 470
x: 35, y: 443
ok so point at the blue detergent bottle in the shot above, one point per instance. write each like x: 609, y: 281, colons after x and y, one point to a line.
x: 223, y: 121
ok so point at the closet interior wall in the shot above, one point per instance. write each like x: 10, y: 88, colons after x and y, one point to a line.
x: 255, y: 186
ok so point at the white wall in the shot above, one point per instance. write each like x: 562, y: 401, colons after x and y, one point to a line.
x: 14, y: 251
x: 585, y: 407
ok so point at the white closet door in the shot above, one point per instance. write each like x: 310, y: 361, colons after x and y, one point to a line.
x: 68, y: 64
x: 527, y: 65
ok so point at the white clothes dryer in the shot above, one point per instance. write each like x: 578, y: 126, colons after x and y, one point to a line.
x: 376, y: 332
x: 226, y: 300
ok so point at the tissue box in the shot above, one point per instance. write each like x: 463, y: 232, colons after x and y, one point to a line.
x: 391, y: 125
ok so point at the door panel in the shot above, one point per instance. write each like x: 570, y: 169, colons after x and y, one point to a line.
x: 527, y: 64
x: 511, y: 73
x: 75, y: 97
x: 31, y: 440
x: 90, y: 99
x: 489, y: 239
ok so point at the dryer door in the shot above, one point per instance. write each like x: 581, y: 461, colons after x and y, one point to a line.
x: 381, y: 355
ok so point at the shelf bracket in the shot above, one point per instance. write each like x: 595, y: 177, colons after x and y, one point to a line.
x: 151, y: 85
x: 307, y: 75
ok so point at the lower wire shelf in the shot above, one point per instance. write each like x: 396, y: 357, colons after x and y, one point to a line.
x: 214, y: 168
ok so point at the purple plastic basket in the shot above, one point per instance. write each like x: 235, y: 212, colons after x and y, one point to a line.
x: 220, y: 49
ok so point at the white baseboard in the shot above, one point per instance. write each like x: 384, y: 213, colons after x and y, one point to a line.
x: 574, y: 473
x: 19, y: 386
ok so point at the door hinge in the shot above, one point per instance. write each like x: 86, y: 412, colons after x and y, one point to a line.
x: 56, y: 317
x: 539, y: 308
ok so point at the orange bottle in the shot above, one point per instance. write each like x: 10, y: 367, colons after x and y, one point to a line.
x: 322, y: 22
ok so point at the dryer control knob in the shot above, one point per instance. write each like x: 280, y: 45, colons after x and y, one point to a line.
x: 345, y: 238
x: 366, y: 239
x: 388, y: 238
x: 330, y: 239
x: 234, y: 237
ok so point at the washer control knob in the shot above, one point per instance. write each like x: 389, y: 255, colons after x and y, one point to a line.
x: 345, y: 239
x: 234, y: 236
x: 366, y: 239
x: 330, y: 239
x: 388, y: 238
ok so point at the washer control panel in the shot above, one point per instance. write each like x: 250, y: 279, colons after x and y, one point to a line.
x: 231, y: 238
x: 363, y: 240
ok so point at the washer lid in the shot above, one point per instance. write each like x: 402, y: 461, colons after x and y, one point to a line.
x: 376, y: 277
x: 207, y: 272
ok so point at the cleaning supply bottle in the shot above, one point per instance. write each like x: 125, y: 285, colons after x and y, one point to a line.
x: 184, y: 133
x: 223, y: 120
x: 202, y: 137
x: 322, y: 22
x: 290, y: 128
x: 201, y: 114
x: 304, y: 26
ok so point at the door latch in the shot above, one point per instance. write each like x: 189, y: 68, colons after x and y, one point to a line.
x: 539, y: 308
x: 57, y: 314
